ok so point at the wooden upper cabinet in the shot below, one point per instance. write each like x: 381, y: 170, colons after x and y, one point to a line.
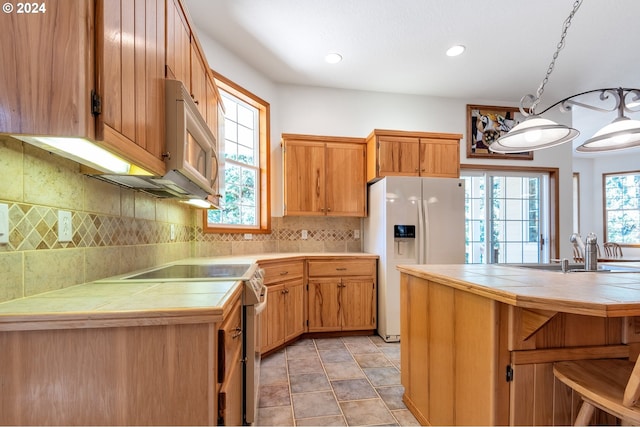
x: 47, y: 69
x: 398, y: 156
x: 199, y: 74
x: 130, y: 79
x: 324, y: 175
x: 178, y: 44
x: 400, y: 153
x: 304, y: 175
x: 440, y: 157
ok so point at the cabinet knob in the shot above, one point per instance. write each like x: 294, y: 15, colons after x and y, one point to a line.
x: 284, y: 273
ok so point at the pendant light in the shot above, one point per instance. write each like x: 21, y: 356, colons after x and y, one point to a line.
x: 535, y: 132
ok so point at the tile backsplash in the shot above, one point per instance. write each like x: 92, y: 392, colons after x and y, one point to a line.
x: 116, y: 230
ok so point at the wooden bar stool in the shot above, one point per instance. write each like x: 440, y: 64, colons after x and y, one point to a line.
x: 612, y: 385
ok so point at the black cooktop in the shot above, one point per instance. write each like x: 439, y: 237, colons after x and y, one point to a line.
x: 195, y: 271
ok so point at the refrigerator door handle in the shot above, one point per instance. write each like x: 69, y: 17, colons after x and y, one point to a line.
x: 420, y: 235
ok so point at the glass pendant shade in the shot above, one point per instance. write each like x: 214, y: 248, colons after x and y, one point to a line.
x: 621, y: 133
x: 534, y: 133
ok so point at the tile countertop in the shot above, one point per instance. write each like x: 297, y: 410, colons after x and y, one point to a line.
x: 592, y: 294
x: 110, y: 302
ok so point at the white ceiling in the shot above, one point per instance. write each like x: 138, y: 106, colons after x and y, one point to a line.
x: 398, y: 46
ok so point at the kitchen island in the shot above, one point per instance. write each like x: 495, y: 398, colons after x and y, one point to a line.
x: 478, y: 342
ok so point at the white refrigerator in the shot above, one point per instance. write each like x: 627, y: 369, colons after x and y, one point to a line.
x: 411, y: 220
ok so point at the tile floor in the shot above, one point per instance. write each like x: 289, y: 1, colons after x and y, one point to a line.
x: 333, y: 382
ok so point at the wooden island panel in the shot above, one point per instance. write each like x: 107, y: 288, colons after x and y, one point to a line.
x: 469, y: 359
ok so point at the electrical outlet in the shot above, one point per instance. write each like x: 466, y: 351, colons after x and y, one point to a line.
x: 65, y: 228
x: 4, y: 223
x: 304, y: 235
x: 172, y: 232
x: 356, y: 234
x: 248, y: 236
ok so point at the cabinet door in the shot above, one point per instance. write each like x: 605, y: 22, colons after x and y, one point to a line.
x: 178, y: 44
x: 345, y: 179
x: 397, y: 156
x: 440, y: 157
x: 295, y: 309
x: 304, y: 178
x: 198, y: 79
x: 230, y: 398
x: 47, y: 70
x: 273, y: 318
x: 358, y: 298
x: 324, y: 308
x: 131, y: 69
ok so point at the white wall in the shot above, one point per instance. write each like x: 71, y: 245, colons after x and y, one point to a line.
x: 336, y: 112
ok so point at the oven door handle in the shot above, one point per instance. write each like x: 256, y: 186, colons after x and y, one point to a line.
x: 262, y: 304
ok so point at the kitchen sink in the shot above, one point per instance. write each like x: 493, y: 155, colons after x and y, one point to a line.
x: 578, y: 268
x: 195, y: 271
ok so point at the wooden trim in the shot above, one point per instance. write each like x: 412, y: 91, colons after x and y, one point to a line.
x: 264, y: 112
x: 604, y: 207
x: 323, y: 138
x: 554, y: 197
x: 399, y: 133
x: 525, y: 357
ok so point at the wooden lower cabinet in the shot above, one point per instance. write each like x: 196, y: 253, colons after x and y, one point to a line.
x: 471, y: 360
x: 342, y: 295
x: 229, y: 368
x: 145, y: 373
x: 284, y: 318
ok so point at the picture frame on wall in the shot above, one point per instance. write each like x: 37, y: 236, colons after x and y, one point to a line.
x: 486, y: 124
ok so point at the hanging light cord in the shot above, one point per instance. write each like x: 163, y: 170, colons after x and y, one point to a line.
x: 535, y: 100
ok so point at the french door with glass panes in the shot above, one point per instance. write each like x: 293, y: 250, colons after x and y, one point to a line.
x: 505, y: 217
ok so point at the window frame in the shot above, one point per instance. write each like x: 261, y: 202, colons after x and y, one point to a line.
x: 264, y: 132
x: 553, y: 213
x: 604, y: 206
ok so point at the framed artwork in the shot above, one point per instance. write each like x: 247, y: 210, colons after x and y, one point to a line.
x: 485, y: 124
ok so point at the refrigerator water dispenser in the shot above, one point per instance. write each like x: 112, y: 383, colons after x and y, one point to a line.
x: 404, y: 237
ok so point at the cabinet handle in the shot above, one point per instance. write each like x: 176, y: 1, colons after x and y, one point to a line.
x: 328, y: 209
x: 417, y: 170
x: 284, y: 273
x: 237, y: 333
x: 341, y: 268
x: 317, y: 182
x: 286, y: 291
x: 283, y: 292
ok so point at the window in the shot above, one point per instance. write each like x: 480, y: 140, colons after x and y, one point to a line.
x: 505, y: 220
x: 576, y: 202
x: 622, y: 207
x: 245, y: 149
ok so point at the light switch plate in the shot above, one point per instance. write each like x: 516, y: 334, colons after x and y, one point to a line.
x: 304, y: 234
x: 172, y: 232
x: 65, y: 229
x: 356, y: 234
x: 4, y: 223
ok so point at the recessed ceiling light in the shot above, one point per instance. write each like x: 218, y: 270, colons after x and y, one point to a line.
x: 455, y: 50
x: 333, y: 58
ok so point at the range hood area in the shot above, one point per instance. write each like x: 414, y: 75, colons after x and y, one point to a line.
x: 190, y: 155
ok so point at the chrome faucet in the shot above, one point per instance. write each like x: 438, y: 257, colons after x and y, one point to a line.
x: 591, y: 253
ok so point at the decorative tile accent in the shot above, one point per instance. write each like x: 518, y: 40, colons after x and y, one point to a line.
x: 36, y: 227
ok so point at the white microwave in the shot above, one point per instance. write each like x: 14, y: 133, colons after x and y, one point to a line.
x: 191, y: 147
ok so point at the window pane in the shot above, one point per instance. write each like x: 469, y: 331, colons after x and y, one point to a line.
x: 622, y: 205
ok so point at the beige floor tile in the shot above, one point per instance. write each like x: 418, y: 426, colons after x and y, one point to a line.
x: 405, y: 417
x: 274, y: 395
x: 354, y: 389
x: 392, y: 397
x: 309, y: 405
x: 372, y: 360
x: 335, y: 355
x: 306, y: 383
x: 301, y: 351
x: 273, y: 375
x: 309, y: 365
x: 334, y: 420
x: 366, y: 412
x: 275, y: 416
x: 383, y: 376
x: 329, y: 343
x: 342, y: 370
x: 362, y: 347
